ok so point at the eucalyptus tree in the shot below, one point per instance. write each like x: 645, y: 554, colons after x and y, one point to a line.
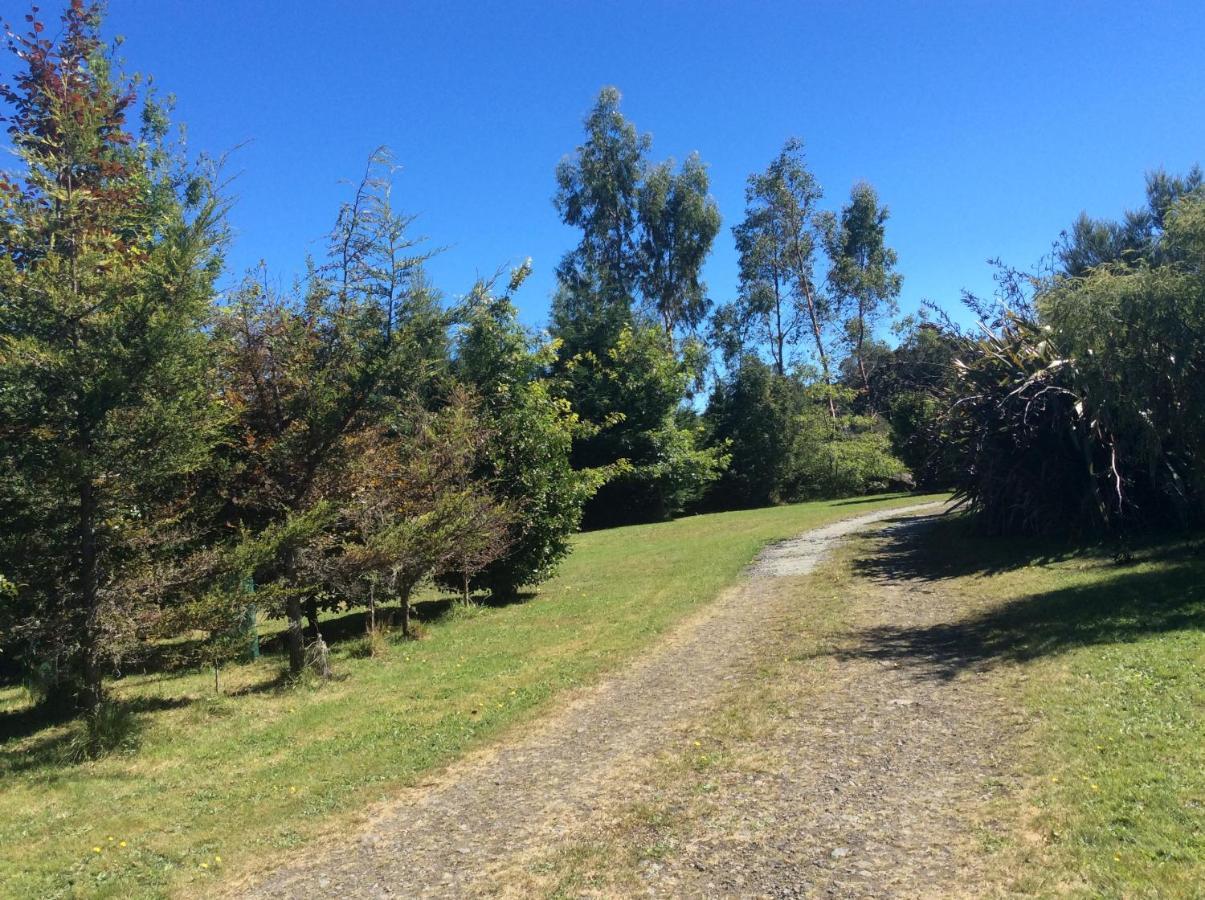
x: 631, y: 281
x: 598, y: 192
x: 679, y: 222
x: 862, y: 276
x: 781, y: 305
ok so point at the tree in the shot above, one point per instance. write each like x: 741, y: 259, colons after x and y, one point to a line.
x: 679, y: 222
x: 780, y: 299
x: 598, y: 192
x: 1080, y: 409
x: 110, y: 247
x: 1093, y: 242
x: 303, y: 375
x: 909, y: 386
x: 862, y: 274
x: 785, y: 444
x: 618, y: 366
x: 753, y: 412
x: 628, y: 397
x: 413, y: 509
x: 527, y: 455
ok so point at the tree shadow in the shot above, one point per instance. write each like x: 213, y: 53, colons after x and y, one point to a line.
x: 946, y: 545
x: 878, y: 498
x: 55, y: 748
x: 27, y: 721
x: 1122, y: 607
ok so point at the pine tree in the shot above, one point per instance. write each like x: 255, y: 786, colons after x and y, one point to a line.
x: 110, y: 246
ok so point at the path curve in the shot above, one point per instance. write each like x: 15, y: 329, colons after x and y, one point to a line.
x: 443, y: 838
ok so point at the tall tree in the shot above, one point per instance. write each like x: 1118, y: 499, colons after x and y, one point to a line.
x: 632, y: 279
x: 780, y: 300
x: 598, y: 192
x: 862, y: 272
x: 110, y: 247
x: 679, y: 222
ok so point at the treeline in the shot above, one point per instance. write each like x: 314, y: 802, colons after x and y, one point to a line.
x: 172, y: 453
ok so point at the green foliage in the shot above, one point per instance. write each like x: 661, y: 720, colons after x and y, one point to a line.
x: 679, y: 223
x: 645, y: 234
x: 909, y: 389
x: 780, y: 303
x: 630, y: 394
x: 527, y: 455
x: 752, y: 413
x: 842, y: 457
x: 786, y: 445
x: 305, y: 375
x: 413, y: 510
x: 1084, y: 411
x: 110, y: 248
x: 862, y: 276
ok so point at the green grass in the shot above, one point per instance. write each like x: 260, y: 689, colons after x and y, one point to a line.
x: 1109, y: 662
x: 249, y: 776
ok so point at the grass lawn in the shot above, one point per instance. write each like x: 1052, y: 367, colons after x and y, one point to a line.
x: 1115, y: 659
x: 218, y: 785
x: 1108, y: 661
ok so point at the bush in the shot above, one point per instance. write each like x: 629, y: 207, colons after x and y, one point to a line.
x: 1083, y: 411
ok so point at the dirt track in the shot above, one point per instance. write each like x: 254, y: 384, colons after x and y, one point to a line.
x: 864, y: 801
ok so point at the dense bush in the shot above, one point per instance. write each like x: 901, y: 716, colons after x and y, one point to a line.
x: 527, y: 457
x: 1083, y: 410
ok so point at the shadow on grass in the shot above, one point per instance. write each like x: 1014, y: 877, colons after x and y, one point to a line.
x: 1123, y: 605
x: 945, y: 545
x: 28, y: 721
x: 57, y: 747
x: 353, y: 625
x: 878, y: 498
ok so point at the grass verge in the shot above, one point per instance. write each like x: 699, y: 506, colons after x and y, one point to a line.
x: 219, y: 785
x: 1107, y: 659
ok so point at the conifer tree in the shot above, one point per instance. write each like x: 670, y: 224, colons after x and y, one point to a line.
x: 110, y: 246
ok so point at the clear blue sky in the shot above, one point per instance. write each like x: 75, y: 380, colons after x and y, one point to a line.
x: 985, y: 126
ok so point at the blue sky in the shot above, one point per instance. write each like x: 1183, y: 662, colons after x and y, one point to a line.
x: 986, y: 127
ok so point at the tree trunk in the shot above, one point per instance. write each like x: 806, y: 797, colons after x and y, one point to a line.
x: 93, y: 687
x: 311, y: 615
x: 294, y: 637
x: 405, y: 598
x: 861, y: 356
